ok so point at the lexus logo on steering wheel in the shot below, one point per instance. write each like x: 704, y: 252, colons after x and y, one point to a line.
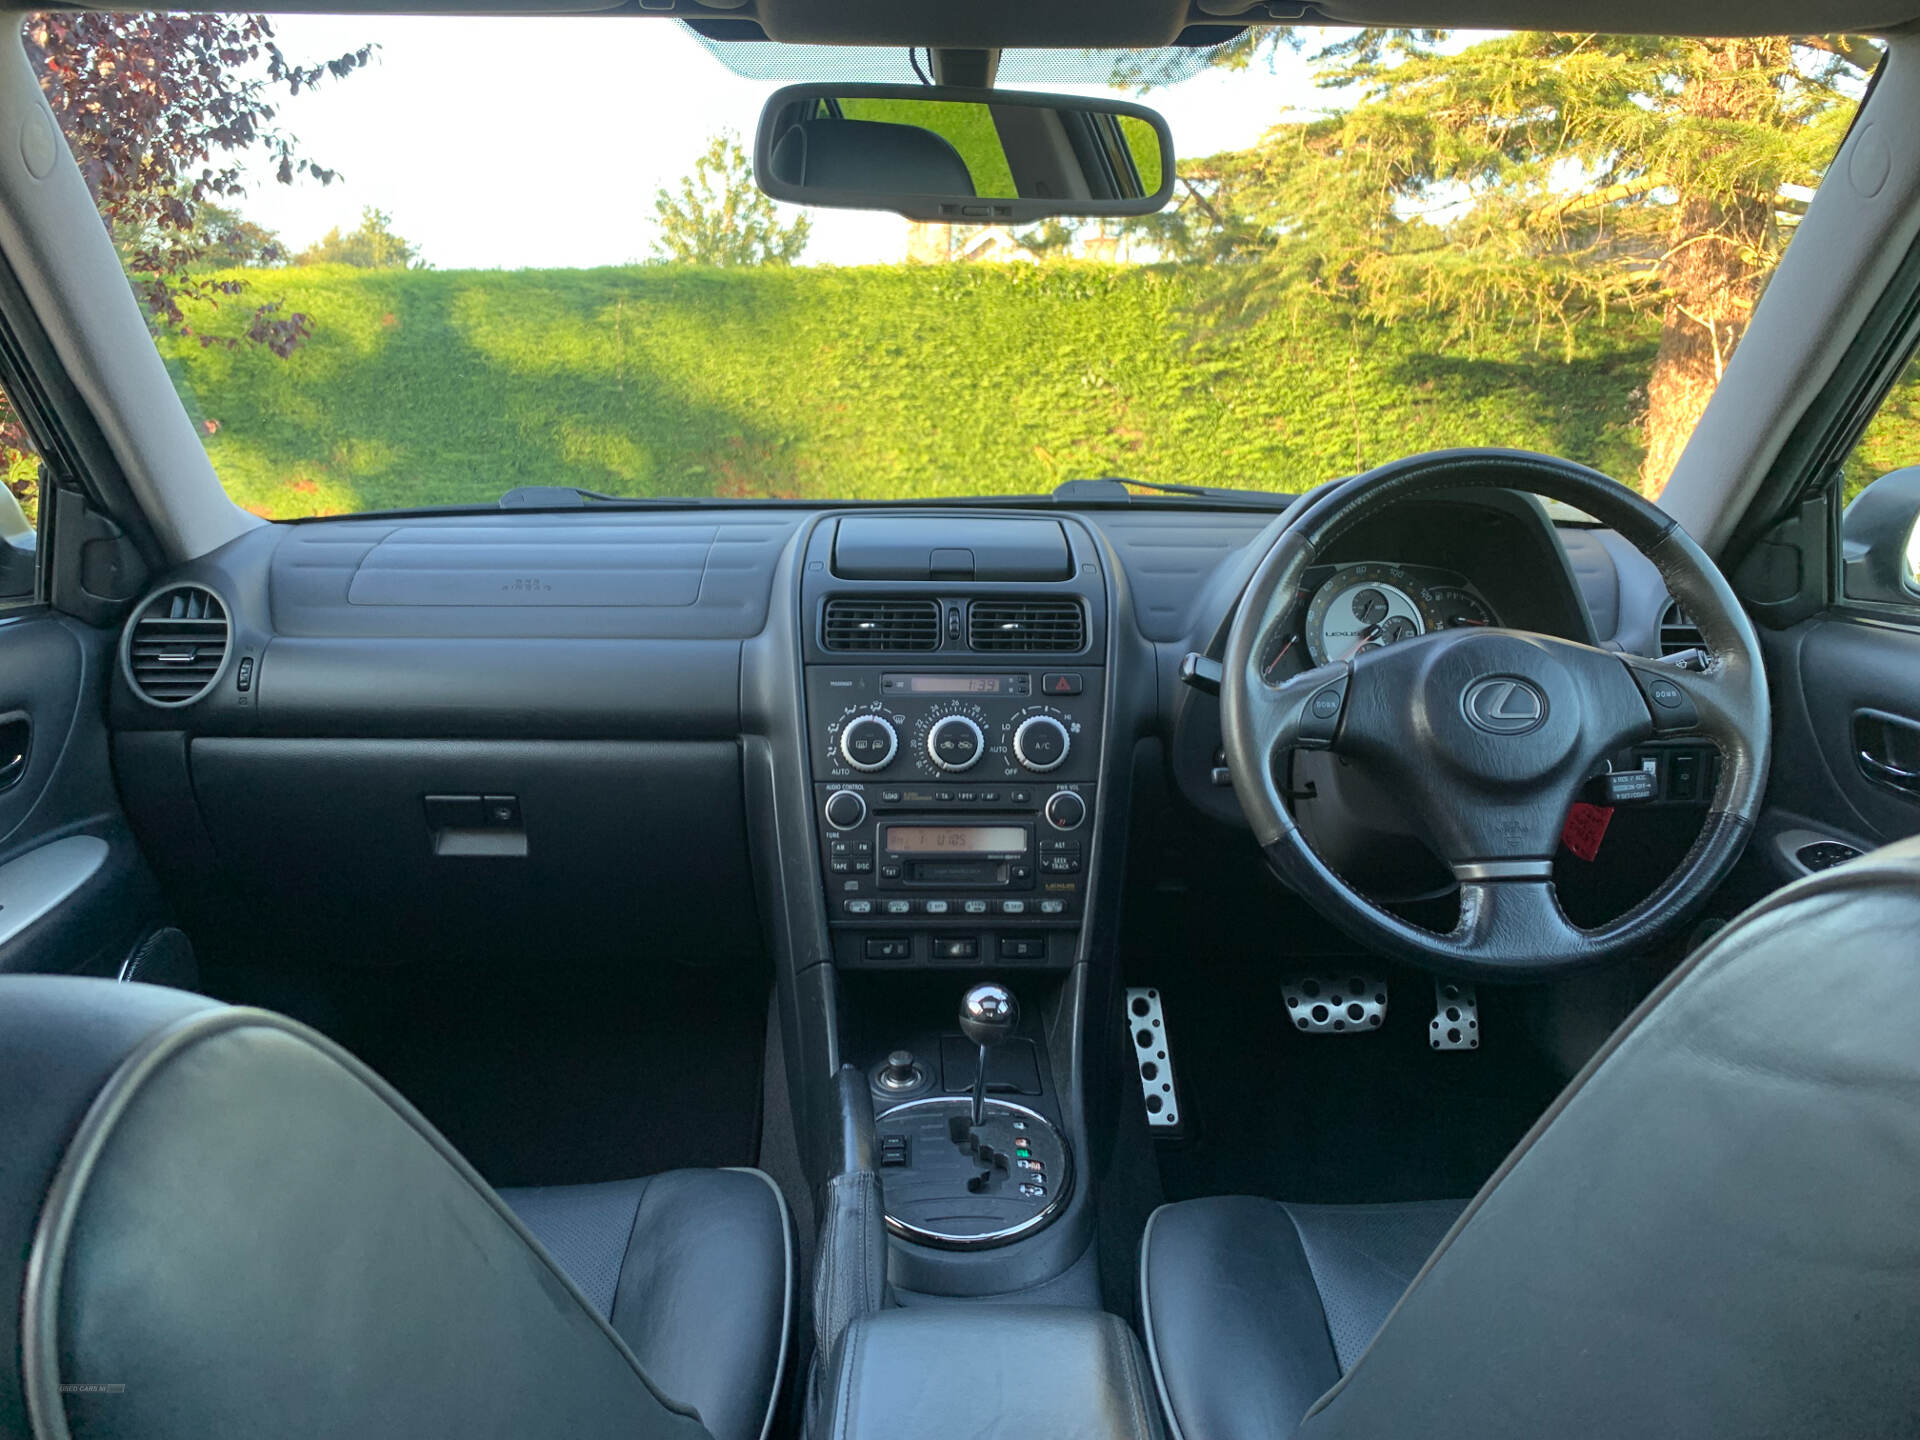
x: 1503, y: 705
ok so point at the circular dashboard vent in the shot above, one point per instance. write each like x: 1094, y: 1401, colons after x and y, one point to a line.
x: 177, y: 645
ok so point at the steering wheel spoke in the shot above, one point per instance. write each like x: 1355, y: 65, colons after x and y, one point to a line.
x: 1516, y: 918
x: 1302, y: 713
x: 1683, y: 699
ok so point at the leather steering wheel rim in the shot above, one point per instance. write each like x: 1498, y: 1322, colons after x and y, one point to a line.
x: 1491, y: 776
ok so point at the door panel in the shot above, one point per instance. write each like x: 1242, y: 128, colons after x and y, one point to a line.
x: 64, y: 907
x: 1828, y: 672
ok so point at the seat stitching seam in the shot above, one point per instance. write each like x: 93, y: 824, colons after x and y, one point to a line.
x: 1146, y: 1324
x: 1130, y: 1364
x: 846, y: 1381
x: 633, y: 1228
x: 1313, y: 1274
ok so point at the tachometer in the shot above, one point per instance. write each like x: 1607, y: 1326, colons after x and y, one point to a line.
x: 1452, y: 605
x: 1362, y: 608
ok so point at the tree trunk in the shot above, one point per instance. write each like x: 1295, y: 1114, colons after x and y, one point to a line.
x: 1710, y: 272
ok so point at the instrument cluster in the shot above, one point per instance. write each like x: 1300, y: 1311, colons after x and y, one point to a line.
x: 1351, y: 609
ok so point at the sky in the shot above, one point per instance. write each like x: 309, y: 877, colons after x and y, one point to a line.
x: 539, y: 142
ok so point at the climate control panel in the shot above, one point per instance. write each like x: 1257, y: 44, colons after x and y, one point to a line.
x: 954, y: 811
x: 974, y: 726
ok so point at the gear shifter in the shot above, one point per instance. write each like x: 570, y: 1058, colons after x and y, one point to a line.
x: 988, y: 1015
x: 957, y: 1172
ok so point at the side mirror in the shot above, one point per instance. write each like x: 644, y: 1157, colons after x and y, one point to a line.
x: 962, y: 156
x: 1880, y: 540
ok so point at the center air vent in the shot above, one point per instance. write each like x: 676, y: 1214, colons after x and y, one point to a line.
x: 1677, y: 633
x: 1035, y: 627
x: 177, y: 645
x: 882, y: 625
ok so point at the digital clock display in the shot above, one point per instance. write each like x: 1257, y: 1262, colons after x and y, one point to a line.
x: 953, y: 684
x: 956, y: 839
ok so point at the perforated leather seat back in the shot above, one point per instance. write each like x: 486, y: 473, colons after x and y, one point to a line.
x: 1716, y: 1228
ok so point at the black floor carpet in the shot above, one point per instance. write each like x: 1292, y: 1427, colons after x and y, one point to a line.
x: 548, y: 1073
x: 1341, y: 1119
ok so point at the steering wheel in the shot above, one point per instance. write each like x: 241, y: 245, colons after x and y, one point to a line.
x: 1489, y: 734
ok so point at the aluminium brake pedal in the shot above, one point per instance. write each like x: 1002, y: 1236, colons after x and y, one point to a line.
x: 1343, y: 1002
x: 1153, y: 1056
x: 1456, y: 1017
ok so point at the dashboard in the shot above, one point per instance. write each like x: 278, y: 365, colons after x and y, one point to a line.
x: 883, y: 737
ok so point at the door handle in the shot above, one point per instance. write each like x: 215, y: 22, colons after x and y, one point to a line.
x: 16, y: 738
x: 1886, y: 748
x: 1883, y: 773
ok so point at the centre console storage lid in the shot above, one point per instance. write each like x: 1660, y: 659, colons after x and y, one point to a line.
x: 946, y: 547
x: 987, y: 1372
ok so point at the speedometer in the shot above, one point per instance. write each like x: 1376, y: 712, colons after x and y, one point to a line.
x: 1362, y: 608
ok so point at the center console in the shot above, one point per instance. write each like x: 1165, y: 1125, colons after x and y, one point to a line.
x: 955, y: 679
x: 955, y: 808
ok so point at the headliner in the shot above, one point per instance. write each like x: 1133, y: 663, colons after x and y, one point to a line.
x: 1132, y: 24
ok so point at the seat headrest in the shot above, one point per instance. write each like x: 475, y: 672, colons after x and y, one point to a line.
x: 871, y: 156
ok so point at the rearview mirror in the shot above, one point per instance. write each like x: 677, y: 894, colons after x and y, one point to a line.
x: 962, y: 156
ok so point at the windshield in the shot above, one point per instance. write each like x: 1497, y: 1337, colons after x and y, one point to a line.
x: 404, y: 262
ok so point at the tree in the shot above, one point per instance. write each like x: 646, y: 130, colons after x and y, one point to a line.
x: 1050, y: 238
x: 160, y: 111
x: 721, y: 217
x: 1539, y: 184
x: 220, y: 239
x: 373, y: 246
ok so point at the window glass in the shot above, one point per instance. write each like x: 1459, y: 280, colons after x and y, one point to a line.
x: 383, y: 276
x: 1881, y: 533
x: 19, y: 508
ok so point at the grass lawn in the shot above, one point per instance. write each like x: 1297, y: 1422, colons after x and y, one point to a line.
x: 429, y: 387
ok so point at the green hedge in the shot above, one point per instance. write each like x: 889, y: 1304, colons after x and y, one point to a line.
x: 425, y: 387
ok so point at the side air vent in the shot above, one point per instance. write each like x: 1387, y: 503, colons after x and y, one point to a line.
x: 176, y: 645
x: 1036, y: 627
x: 882, y: 625
x: 1677, y: 632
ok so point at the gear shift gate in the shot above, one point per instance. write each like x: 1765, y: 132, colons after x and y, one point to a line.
x: 983, y: 1171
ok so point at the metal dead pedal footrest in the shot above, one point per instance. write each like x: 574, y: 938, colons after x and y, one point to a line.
x: 1153, y: 1056
x: 1346, y: 1002
x: 1456, y: 1017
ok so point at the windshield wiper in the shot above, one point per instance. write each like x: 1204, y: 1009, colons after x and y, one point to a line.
x: 554, y: 497
x: 1109, y: 488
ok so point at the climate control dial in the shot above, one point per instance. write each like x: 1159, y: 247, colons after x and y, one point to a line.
x: 869, y: 742
x: 1041, y: 742
x: 955, y: 742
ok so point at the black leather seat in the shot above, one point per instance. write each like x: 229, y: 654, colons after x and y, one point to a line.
x: 214, y: 1222
x: 1715, y: 1230
x: 1284, y: 1298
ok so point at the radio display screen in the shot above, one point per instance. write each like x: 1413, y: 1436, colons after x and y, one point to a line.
x: 956, y: 839
x: 953, y: 684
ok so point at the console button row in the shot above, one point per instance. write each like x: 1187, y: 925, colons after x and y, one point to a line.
x: 956, y: 947
x: 953, y: 907
x: 956, y: 797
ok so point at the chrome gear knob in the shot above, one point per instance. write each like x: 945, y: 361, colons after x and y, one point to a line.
x: 988, y: 1014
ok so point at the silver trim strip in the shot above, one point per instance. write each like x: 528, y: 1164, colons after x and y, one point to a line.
x: 786, y: 1309
x: 1503, y: 870
x: 1035, y: 1222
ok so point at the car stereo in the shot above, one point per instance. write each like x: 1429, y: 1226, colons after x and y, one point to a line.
x: 955, y: 811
